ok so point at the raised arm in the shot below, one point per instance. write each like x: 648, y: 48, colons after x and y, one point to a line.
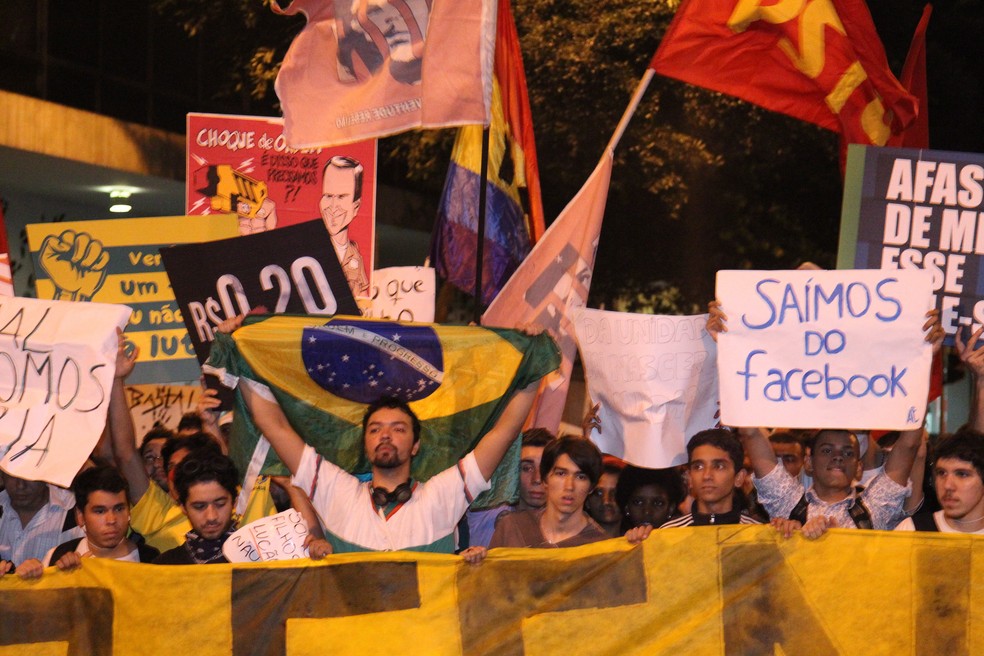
x: 493, y: 446
x: 272, y: 422
x: 758, y: 448
x: 973, y: 359
x: 121, y: 431
x: 898, y: 465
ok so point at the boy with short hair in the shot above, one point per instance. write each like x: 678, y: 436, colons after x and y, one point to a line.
x: 716, y: 473
x: 958, y: 476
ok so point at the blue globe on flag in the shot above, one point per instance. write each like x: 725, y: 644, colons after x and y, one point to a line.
x: 362, y: 361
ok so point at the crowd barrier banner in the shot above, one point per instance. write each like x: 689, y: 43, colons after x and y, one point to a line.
x: 655, y: 378
x: 919, y: 209
x: 695, y: 591
x: 804, y: 346
x: 118, y: 261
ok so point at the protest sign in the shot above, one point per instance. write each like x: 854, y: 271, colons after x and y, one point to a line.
x: 57, y: 362
x: 655, y: 379
x: 813, y: 349
x: 118, y: 262
x: 288, y: 270
x: 164, y: 404
x: 242, y: 165
x: 277, y: 537
x: 403, y: 294
x: 919, y: 209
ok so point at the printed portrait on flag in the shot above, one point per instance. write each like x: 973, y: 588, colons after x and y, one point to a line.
x: 377, y: 34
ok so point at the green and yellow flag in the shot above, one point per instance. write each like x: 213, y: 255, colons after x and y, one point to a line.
x: 324, y: 371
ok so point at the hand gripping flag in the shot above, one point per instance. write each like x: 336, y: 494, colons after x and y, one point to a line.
x: 514, y: 212
x: 554, y: 278
x: 457, y: 379
x: 368, y: 68
x: 819, y: 61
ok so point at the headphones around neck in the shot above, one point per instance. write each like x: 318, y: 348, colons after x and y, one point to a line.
x: 400, y: 494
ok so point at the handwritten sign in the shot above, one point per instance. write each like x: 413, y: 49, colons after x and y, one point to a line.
x: 277, y: 537
x: 150, y: 404
x: 655, y: 378
x: 815, y: 349
x: 117, y: 261
x: 57, y: 362
x: 919, y: 209
x: 403, y: 294
x: 242, y: 165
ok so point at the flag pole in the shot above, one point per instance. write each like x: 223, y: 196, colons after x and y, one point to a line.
x: 630, y: 110
x: 480, y: 246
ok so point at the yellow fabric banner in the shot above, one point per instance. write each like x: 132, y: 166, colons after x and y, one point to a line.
x: 723, y: 590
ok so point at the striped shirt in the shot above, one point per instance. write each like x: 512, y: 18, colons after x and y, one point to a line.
x: 697, y: 518
x: 44, y: 532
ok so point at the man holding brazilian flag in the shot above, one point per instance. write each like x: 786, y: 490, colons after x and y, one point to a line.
x: 305, y: 382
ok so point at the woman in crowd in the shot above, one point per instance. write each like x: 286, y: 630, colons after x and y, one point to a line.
x: 648, y: 497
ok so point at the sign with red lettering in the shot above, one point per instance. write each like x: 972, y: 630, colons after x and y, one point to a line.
x: 242, y: 165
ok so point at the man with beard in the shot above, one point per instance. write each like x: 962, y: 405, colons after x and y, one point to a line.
x: 391, y: 511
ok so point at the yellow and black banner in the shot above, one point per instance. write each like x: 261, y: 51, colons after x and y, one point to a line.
x: 724, y: 590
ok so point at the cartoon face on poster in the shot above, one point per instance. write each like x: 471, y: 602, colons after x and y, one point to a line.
x: 242, y: 165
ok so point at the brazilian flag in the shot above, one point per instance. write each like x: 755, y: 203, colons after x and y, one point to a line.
x: 324, y: 371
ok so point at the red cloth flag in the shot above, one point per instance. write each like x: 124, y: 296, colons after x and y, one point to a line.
x: 914, y: 80
x: 554, y: 277
x: 819, y: 61
x: 368, y: 68
x: 514, y: 211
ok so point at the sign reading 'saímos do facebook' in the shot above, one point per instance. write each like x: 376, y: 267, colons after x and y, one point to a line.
x: 812, y: 349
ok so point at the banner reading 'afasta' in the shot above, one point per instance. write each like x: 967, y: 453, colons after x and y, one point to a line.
x: 919, y: 209
x: 734, y: 590
x: 118, y: 261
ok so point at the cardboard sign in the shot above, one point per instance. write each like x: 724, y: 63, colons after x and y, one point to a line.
x: 57, y: 362
x: 288, y: 270
x: 403, y: 294
x: 919, y: 209
x: 164, y: 404
x: 242, y: 165
x: 655, y: 378
x: 277, y: 537
x: 117, y: 261
x: 824, y: 349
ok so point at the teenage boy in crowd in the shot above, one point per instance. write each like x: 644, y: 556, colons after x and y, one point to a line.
x: 206, y: 485
x: 102, y: 511
x: 714, y: 466
x: 958, y: 477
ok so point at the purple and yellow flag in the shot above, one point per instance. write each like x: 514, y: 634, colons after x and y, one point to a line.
x: 514, y: 211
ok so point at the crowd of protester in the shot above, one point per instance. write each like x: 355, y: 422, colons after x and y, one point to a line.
x: 172, y: 497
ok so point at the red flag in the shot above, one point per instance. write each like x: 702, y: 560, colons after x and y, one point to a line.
x: 367, y: 68
x: 914, y: 80
x: 554, y: 277
x: 818, y: 61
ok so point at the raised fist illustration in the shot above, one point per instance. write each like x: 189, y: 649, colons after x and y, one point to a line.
x: 76, y: 264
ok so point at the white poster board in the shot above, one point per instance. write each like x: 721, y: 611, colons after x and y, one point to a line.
x: 403, y: 294
x: 814, y: 349
x: 655, y: 378
x: 277, y: 537
x: 57, y: 362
